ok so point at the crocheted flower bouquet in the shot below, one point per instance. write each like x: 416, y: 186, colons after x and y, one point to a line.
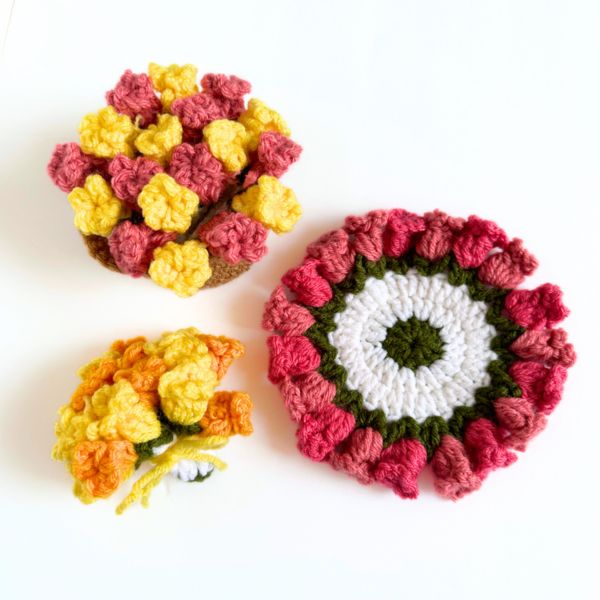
x: 150, y: 401
x: 401, y: 341
x: 182, y: 187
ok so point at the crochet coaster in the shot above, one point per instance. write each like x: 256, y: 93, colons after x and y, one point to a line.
x: 150, y: 402
x: 178, y: 184
x: 401, y: 341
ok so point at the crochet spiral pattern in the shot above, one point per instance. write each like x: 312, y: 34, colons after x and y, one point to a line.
x: 182, y: 186
x: 150, y: 401
x: 405, y: 343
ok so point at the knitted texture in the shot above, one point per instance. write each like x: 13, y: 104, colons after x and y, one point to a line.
x: 401, y: 341
x: 152, y: 402
x: 173, y: 160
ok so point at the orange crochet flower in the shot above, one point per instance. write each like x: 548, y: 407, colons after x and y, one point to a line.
x: 224, y: 351
x: 102, y: 466
x: 144, y: 376
x: 228, y: 413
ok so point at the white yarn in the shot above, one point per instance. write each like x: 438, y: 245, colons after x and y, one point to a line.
x: 399, y: 391
x: 186, y: 470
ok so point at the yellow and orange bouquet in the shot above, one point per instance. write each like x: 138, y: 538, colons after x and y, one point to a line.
x: 150, y: 401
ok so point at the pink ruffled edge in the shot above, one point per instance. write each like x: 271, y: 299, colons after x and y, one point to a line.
x: 327, y: 433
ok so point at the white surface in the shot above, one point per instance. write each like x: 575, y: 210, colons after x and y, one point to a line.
x: 487, y: 107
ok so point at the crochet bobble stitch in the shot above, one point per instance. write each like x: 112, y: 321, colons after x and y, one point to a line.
x: 400, y: 341
x: 150, y: 401
x: 194, y: 168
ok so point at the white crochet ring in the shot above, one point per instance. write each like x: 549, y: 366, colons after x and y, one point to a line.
x: 433, y: 390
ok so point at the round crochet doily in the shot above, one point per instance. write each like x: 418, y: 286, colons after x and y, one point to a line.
x: 401, y: 340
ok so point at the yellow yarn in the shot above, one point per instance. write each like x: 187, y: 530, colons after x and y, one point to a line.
x: 70, y: 429
x: 158, y: 141
x: 167, y: 205
x: 186, y: 389
x: 122, y: 415
x: 228, y: 142
x: 97, y: 209
x: 271, y: 203
x: 107, y: 133
x: 173, y: 82
x: 258, y: 117
x: 183, y: 268
x: 189, y: 448
x: 177, y: 346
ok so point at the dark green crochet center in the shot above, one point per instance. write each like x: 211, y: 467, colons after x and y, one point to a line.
x: 413, y: 343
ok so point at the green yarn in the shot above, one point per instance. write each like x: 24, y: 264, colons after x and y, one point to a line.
x: 426, y: 346
x: 413, y: 343
x: 145, y: 450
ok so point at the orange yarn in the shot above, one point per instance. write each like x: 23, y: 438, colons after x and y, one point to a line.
x: 102, y: 466
x: 228, y: 413
x: 224, y: 351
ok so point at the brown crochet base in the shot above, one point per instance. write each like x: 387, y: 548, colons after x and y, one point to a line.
x: 222, y: 271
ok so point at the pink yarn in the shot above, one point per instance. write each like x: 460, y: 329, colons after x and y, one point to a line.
x: 291, y: 355
x: 196, y: 168
x: 287, y: 317
x: 453, y: 475
x: 546, y: 345
x: 400, y: 232
x: 439, y: 235
x: 275, y: 154
x: 360, y: 454
x: 69, y: 166
x: 536, y: 309
x: 540, y: 385
x: 130, y: 175
x: 484, y: 446
x: 509, y: 268
x: 197, y: 111
x: 306, y: 393
x: 367, y: 232
x: 334, y: 254
x: 475, y: 241
x: 133, y: 95
x: 320, y: 432
x: 132, y: 245
x: 234, y: 237
x: 518, y: 417
x: 310, y: 288
x: 400, y: 466
x: 228, y: 92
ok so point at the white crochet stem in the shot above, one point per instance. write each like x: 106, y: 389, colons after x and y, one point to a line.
x: 186, y: 470
x: 429, y: 390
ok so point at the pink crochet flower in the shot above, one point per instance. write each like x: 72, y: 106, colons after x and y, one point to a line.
x: 275, y: 154
x: 129, y: 176
x: 197, y: 169
x: 475, y: 241
x: 134, y: 96
x: 197, y: 111
x: 234, y: 237
x: 132, y: 246
x: 400, y: 232
x: 228, y: 91
x: 69, y: 166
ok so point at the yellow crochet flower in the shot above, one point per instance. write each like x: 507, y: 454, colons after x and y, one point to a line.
x: 157, y: 142
x: 97, y: 209
x: 228, y: 142
x: 121, y: 414
x: 70, y: 429
x: 271, y: 203
x: 258, y: 117
x: 183, y: 268
x: 166, y: 205
x: 186, y: 389
x: 173, y: 81
x: 107, y: 133
x: 177, y: 346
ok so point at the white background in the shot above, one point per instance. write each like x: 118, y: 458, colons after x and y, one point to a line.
x: 474, y: 107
